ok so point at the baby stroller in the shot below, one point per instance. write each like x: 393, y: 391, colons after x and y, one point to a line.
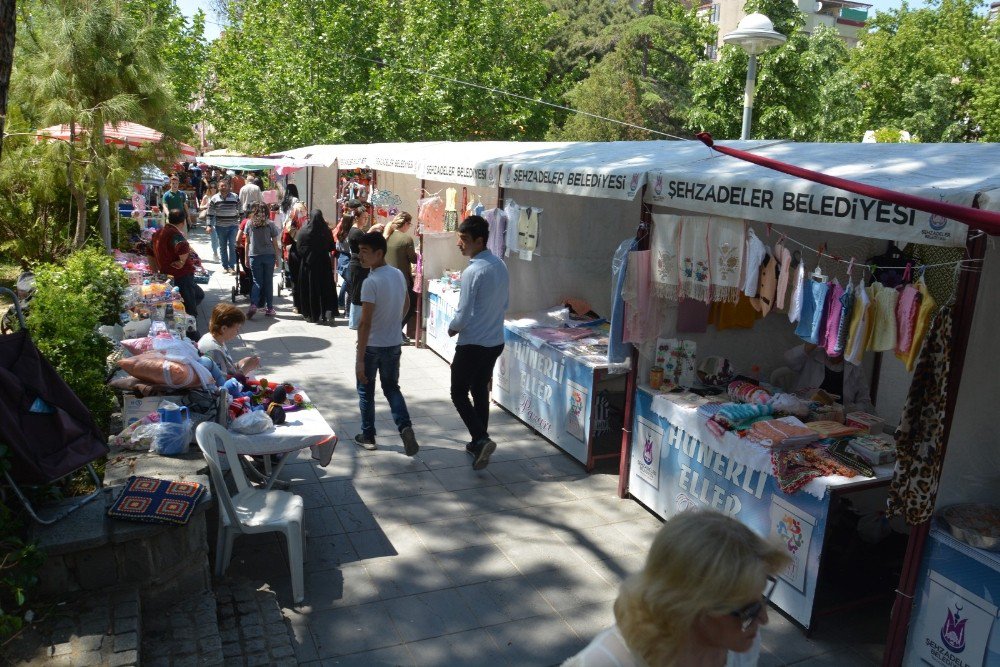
x: 244, y: 279
x: 48, y: 430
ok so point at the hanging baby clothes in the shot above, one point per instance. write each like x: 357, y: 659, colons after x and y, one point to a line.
x: 795, y: 307
x: 642, y: 314
x: 618, y: 350
x: 807, y: 308
x: 831, y: 316
x: 497, y: 220
x: 860, y: 328
x: 450, y: 210
x: 927, y: 308
x: 784, y: 257
x: 663, y: 243
x: 430, y: 213
x: 478, y: 209
x: 907, y: 307
x: 527, y: 231
x: 692, y: 255
x: 513, y: 212
x: 817, y: 318
x: 751, y: 265
x: 884, y: 299
x: 915, y: 479
x: 726, y: 237
x: 767, y: 285
x: 844, y: 327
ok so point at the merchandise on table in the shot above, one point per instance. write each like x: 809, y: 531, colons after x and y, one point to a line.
x: 976, y: 524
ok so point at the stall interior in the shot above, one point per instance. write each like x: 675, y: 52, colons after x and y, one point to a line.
x: 802, y: 345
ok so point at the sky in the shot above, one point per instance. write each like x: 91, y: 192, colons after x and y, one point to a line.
x: 212, y: 27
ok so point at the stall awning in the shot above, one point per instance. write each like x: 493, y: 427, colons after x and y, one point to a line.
x: 954, y: 173
x: 281, y: 164
x: 610, y: 170
x: 131, y: 135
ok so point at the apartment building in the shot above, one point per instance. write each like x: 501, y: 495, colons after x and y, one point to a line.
x: 846, y: 16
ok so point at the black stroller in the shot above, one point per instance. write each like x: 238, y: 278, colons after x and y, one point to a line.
x: 48, y: 430
x: 244, y: 279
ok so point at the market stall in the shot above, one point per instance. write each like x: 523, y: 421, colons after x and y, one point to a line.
x: 775, y: 468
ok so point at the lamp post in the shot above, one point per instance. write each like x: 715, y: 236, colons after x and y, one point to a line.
x: 755, y: 34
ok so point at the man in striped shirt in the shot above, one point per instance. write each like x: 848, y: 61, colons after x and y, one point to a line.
x: 225, y: 207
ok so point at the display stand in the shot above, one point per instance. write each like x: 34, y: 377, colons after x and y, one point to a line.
x: 441, y: 304
x: 677, y: 464
x: 955, y: 614
x: 556, y: 395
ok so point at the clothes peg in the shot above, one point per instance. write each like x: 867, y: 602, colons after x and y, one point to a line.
x: 769, y: 226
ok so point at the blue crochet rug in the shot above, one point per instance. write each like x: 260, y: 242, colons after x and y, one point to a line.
x: 157, y: 501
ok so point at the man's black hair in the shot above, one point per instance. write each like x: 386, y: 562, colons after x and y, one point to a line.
x: 476, y: 227
x: 373, y: 240
x: 176, y: 216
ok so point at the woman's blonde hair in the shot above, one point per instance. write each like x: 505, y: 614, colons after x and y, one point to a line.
x: 701, y: 562
x: 401, y: 220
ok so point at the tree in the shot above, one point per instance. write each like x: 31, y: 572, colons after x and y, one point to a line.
x: 644, y: 80
x: 800, y: 92
x: 940, y: 56
x: 88, y: 63
x: 8, y: 28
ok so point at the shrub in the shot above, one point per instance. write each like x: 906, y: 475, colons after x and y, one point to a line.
x: 71, y: 301
x: 18, y: 568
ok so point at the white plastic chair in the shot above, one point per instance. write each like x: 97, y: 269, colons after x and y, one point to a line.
x: 251, y: 510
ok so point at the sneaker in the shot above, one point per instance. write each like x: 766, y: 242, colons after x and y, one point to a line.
x: 251, y: 311
x: 406, y: 340
x: 362, y: 440
x: 215, y: 257
x: 269, y: 312
x: 486, y: 450
x: 409, y: 441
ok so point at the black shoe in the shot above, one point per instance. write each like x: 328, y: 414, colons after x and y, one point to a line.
x: 486, y: 449
x: 406, y: 340
x: 409, y: 441
x: 362, y: 440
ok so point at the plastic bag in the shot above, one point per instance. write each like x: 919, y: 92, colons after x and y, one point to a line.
x: 170, y: 439
x: 252, y: 423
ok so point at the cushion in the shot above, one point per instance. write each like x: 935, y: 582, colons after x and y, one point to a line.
x: 157, y: 501
x: 154, y: 368
x: 138, y: 345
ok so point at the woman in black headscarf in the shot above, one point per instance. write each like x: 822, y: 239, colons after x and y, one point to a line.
x: 316, y: 291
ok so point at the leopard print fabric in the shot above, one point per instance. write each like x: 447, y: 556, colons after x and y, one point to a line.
x: 921, y: 429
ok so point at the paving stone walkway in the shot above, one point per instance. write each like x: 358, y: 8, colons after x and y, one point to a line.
x: 422, y: 561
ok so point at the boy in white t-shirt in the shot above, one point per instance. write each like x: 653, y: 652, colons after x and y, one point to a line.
x: 384, y: 301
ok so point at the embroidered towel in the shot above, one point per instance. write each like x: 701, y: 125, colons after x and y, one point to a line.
x: 726, y: 237
x: 664, y: 242
x: 642, y: 314
x: 693, y: 258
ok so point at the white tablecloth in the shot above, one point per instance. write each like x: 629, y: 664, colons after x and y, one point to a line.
x: 743, y: 450
x: 302, y: 428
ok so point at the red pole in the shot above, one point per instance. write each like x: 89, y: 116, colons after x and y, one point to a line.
x: 965, y: 309
x: 631, y: 380
x: 420, y: 300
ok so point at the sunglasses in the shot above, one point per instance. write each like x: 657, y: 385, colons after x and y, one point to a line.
x: 748, y: 614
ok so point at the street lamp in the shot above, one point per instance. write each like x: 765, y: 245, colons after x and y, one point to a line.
x: 755, y: 34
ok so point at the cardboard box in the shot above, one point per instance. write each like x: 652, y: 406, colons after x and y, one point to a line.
x: 866, y: 422
x: 876, y: 449
x: 136, y: 408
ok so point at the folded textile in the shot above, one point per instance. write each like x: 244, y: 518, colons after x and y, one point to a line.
x: 737, y: 417
x: 741, y: 391
x: 710, y: 409
x: 831, y: 429
x: 784, y: 432
x: 791, y: 471
x: 789, y: 404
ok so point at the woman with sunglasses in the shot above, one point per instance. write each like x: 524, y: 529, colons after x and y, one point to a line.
x: 698, y: 601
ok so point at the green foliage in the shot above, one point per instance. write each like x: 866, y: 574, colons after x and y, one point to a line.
x: 71, y: 301
x: 644, y: 80
x: 940, y: 59
x: 18, y: 567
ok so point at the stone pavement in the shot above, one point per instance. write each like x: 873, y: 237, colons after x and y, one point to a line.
x: 422, y: 561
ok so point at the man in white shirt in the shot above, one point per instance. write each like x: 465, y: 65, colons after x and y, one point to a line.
x: 384, y: 301
x: 250, y: 194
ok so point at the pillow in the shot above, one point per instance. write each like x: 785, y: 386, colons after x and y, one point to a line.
x: 157, y: 501
x: 138, y: 345
x: 137, y: 328
x: 154, y: 368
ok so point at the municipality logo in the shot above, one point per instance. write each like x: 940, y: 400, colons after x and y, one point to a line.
x: 634, y: 185
x: 647, y: 451
x: 937, y: 222
x: 953, y: 631
x: 658, y: 185
x: 491, y: 175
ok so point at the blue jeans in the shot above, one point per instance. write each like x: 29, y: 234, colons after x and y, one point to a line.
x: 214, y: 236
x: 227, y: 245
x: 385, y: 361
x: 262, y: 291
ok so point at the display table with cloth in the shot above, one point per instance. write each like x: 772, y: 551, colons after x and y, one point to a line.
x: 678, y: 463
x: 303, y: 428
x: 567, y: 398
x: 441, y: 304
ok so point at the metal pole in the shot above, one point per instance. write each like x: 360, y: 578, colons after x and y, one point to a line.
x: 748, y: 97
